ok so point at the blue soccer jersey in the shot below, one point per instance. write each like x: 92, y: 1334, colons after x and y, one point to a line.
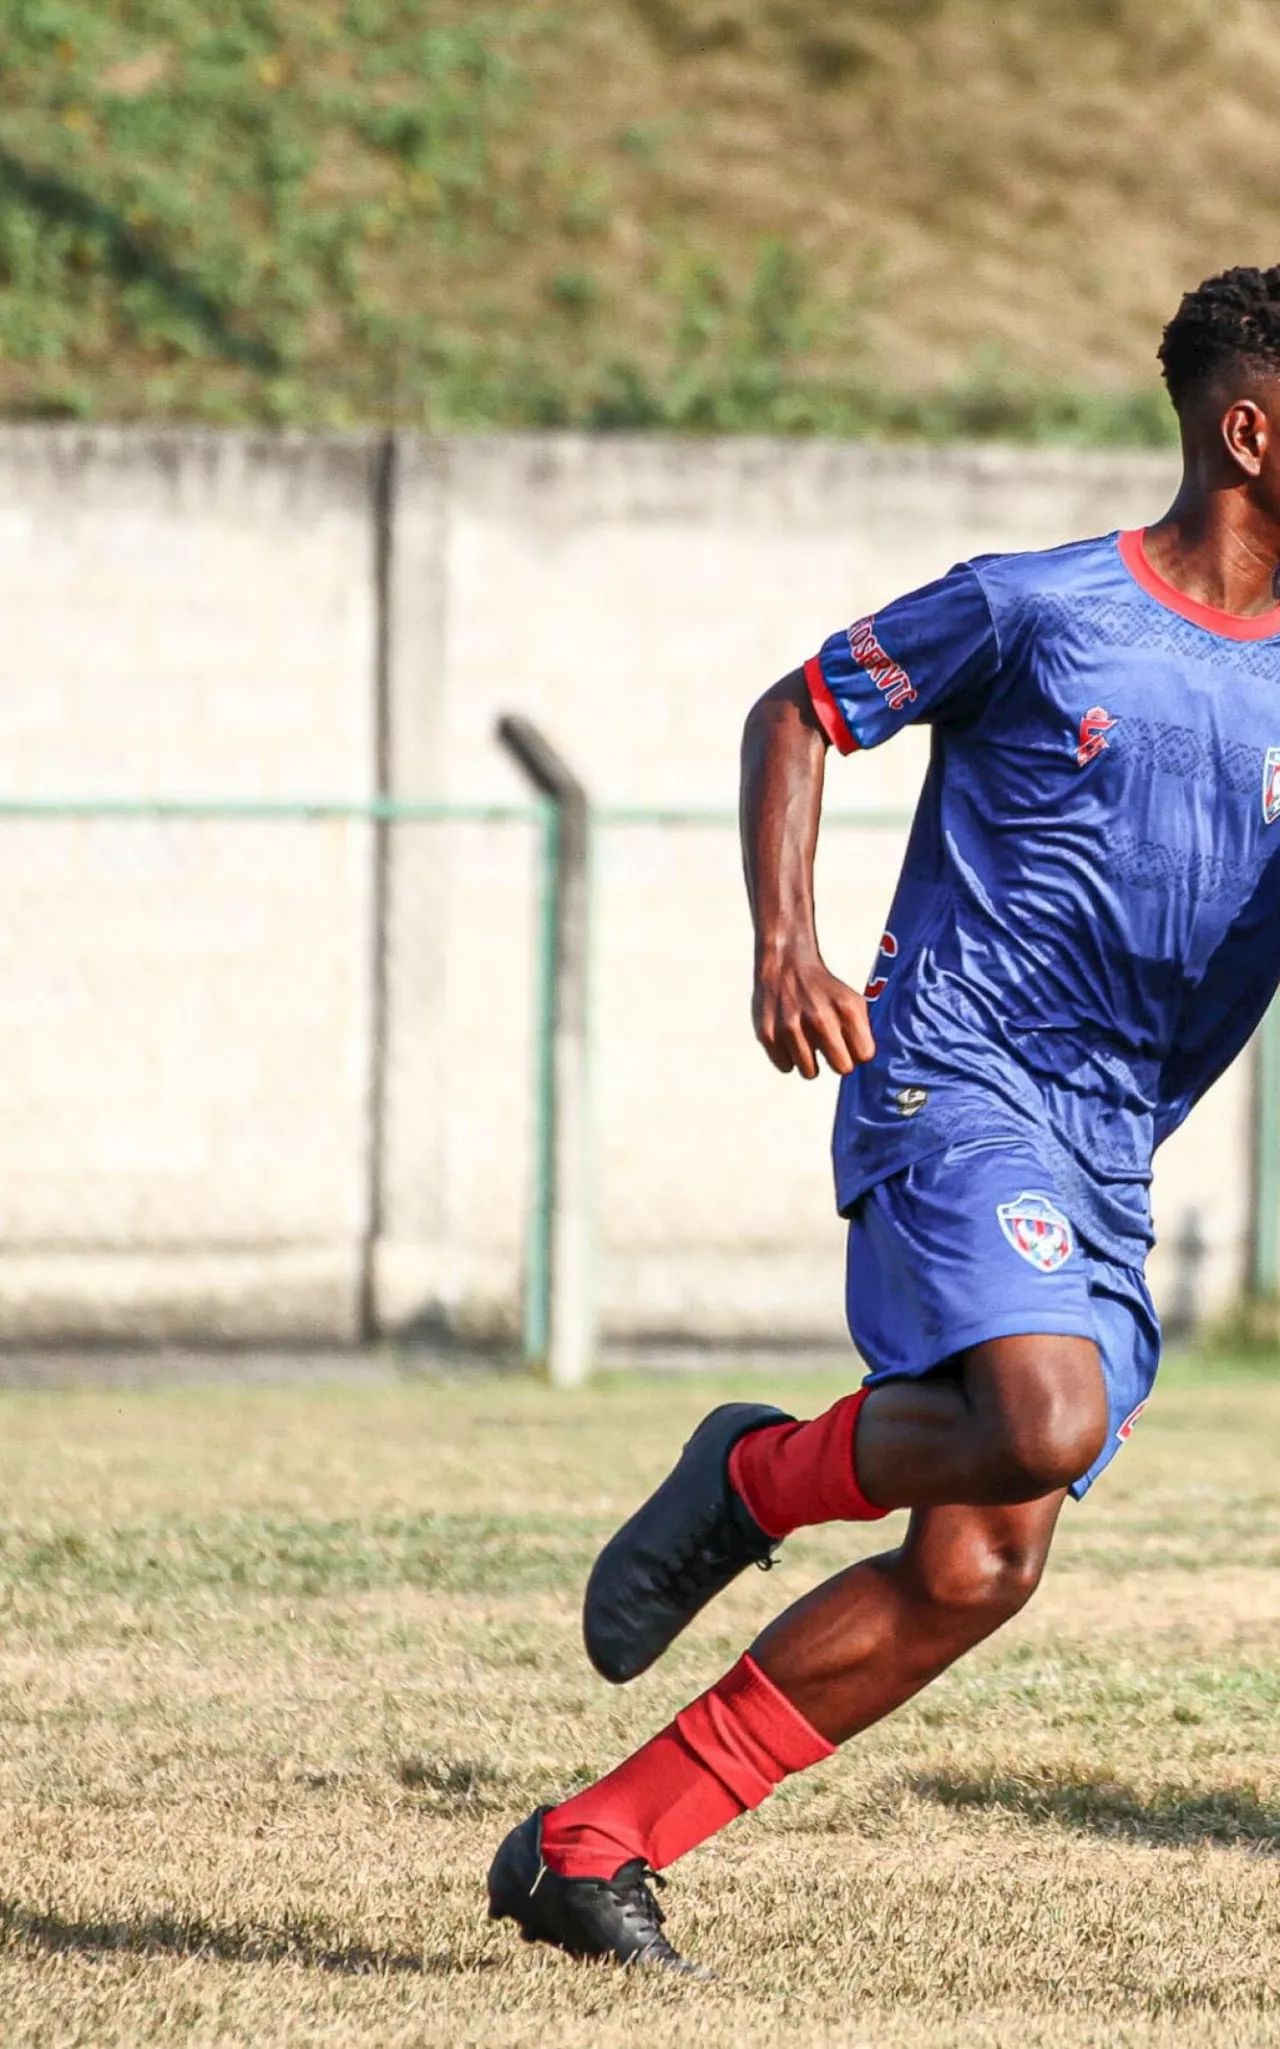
x: 1087, y: 925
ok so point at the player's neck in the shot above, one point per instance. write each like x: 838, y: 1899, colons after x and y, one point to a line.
x: 1219, y: 549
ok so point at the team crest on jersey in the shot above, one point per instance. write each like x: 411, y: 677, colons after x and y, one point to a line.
x: 1094, y: 727
x: 1271, y: 786
x: 1037, y: 1229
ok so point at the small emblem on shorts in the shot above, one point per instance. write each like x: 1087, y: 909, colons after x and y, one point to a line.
x: 1125, y: 1432
x: 1036, y: 1229
x: 911, y: 1101
x: 1094, y: 727
x: 1271, y: 786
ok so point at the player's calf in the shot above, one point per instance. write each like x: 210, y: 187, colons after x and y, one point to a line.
x: 855, y: 1648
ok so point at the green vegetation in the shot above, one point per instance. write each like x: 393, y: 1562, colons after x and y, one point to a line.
x: 344, y: 212
x: 202, y: 210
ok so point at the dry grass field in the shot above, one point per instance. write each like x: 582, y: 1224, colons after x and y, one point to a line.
x: 278, y: 1667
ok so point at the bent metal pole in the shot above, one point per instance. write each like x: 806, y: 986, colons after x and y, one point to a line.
x: 560, y: 1262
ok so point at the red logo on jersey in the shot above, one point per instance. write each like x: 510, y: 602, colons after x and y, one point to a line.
x: 1271, y: 786
x: 1094, y: 727
x: 887, y: 675
x: 879, y: 983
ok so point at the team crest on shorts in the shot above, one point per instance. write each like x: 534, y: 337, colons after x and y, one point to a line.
x: 1271, y: 786
x: 1037, y: 1229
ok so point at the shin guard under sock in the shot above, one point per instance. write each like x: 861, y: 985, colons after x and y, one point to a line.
x: 722, y: 1755
x: 790, y: 1475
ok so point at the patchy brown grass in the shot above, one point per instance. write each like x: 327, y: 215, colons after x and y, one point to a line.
x: 1042, y: 180
x: 278, y: 1669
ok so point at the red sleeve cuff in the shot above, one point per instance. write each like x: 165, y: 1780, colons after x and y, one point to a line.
x: 829, y: 715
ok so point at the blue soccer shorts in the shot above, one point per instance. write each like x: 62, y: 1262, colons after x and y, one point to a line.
x: 972, y: 1243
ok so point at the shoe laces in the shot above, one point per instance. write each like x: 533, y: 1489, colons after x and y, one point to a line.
x: 632, y: 1888
x: 687, y: 1568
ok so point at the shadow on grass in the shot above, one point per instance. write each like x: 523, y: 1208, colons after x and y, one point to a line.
x: 170, y: 1935
x: 1231, y: 1816
x: 454, y: 1786
x: 129, y: 255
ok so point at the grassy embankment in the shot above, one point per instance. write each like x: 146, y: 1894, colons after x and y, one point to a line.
x: 278, y: 1669
x: 835, y: 216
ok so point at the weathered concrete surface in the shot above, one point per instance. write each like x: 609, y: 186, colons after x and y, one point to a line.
x: 183, y: 1006
x: 186, y: 1014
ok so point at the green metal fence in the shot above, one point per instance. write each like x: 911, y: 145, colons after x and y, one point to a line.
x: 57, y: 945
x: 682, y: 818
x: 1264, y: 1273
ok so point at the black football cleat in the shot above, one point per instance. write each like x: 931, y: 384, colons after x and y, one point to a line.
x: 682, y: 1548
x: 614, y: 1917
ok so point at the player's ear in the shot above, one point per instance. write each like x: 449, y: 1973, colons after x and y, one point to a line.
x: 1246, y: 431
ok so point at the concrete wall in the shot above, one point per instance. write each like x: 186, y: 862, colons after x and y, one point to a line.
x: 187, y: 1016
x: 183, y: 1007
x: 634, y: 596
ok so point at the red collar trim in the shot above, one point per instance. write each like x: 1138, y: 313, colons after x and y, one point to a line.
x: 1230, y: 625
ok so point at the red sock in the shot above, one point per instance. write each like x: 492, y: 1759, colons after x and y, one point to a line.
x: 793, y: 1474
x: 723, y: 1754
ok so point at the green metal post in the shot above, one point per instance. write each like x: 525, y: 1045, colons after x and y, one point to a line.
x: 560, y: 1307
x: 1264, y: 1276
x: 537, y: 1301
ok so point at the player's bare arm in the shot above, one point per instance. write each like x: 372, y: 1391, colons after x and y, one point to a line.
x: 800, y: 1009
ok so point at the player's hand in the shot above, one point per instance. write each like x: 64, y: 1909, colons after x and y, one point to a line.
x: 801, y: 1010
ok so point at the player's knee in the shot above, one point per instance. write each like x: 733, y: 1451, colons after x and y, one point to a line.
x: 1053, y: 1445
x: 987, y: 1579
x: 1053, y: 1424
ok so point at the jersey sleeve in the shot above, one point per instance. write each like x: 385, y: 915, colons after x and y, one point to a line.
x: 930, y: 656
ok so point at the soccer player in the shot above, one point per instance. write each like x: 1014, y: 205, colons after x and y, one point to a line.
x: 1085, y: 933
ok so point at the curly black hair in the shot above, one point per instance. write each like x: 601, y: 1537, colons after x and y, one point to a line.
x: 1233, y: 318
